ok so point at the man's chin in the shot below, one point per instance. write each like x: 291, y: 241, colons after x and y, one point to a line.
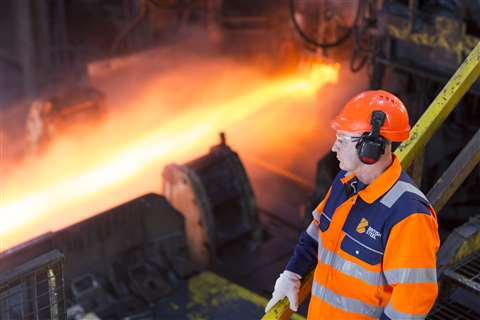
x: 343, y: 167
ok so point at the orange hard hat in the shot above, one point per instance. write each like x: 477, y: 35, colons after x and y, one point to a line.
x: 356, y: 115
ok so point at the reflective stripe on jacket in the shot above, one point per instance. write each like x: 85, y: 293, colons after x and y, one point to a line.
x: 376, y: 250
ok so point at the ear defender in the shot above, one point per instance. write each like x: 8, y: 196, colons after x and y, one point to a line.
x: 371, y: 145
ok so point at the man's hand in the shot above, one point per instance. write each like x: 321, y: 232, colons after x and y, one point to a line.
x: 287, y: 285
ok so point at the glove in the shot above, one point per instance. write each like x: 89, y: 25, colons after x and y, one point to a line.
x: 287, y: 285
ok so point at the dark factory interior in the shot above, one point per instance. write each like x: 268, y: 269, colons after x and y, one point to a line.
x: 159, y: 159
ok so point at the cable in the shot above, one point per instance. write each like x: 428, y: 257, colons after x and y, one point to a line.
x: 308, y: 39
x: 356, y: 66
x: 357, y: 63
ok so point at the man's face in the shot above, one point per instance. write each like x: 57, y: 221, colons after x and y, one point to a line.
x: 344, y: 147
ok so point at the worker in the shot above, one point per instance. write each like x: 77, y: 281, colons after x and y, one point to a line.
x: 38, y: 125
x: 374, y: 237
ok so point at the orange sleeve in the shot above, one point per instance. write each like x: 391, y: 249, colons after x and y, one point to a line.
x: 409, y: 265
x: 319, y: 209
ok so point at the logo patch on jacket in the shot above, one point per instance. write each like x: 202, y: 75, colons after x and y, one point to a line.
x: 372, y: 233
x: 362, y: 226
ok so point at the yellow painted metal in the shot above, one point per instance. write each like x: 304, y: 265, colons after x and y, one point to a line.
x: 281, y: 311
x: 415, y: 171
x: 421, y: 133
x: 206, y: 286
x: 440, y: 108
x: 469, y: 246
x: 210, y: 290
x: 446, y: 34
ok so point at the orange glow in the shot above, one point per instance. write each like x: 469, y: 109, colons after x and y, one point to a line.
x: 85, y: 172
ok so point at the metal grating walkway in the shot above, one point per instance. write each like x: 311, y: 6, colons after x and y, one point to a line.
x: 467, y: 272
x: 452, y: 311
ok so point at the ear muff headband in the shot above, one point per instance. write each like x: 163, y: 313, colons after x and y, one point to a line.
x: 371, y: 145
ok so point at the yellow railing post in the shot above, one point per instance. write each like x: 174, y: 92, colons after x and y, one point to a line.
x: 440, y: 107
x: 421, y: 133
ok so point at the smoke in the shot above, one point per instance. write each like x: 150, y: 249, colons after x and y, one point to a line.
x: 166, y: 88
x: 294, y: 137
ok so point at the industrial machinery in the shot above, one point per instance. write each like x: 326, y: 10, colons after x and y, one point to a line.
x: 34, y: 289
x: 42, y: 73
x: 323, y: 24
x: 89, y: 292
x: 111, y: 274
x: 230, y: 22
x: 62, y: 112
x: 216, y: 198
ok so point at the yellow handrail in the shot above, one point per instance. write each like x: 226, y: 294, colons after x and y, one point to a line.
x: 421, y: 133
x: 440, y: 108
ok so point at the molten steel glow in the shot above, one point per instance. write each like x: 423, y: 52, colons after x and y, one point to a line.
x: 69, y: 183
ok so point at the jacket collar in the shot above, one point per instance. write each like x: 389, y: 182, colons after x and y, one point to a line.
x: 381, y: 184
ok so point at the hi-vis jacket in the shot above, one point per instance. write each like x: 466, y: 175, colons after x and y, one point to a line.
x: 374, y: 248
